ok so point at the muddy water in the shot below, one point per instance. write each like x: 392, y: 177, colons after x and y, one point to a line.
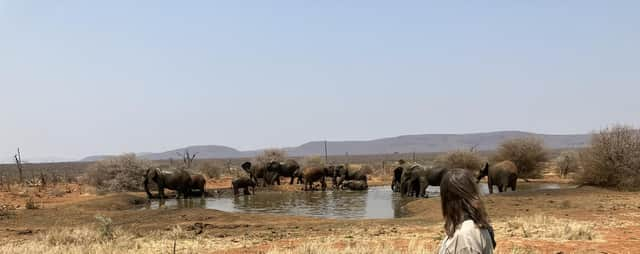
x: 377, y: 202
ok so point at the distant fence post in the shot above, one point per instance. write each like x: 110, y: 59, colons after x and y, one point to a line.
x: 326, y: 153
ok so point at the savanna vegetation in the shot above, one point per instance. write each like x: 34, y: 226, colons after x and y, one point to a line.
x: 103, y: 205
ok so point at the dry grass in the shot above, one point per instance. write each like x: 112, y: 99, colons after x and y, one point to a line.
x: 87, y: 240
x: 548, y: 228
x: 356, y: 247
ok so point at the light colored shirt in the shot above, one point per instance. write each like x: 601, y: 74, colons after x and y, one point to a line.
x: 468, y: 239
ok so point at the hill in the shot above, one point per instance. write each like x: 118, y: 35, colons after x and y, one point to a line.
x: 425, y: 143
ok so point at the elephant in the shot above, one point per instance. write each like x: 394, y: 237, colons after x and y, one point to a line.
x: 344, y: 174
x: 331, y: 172
x: 179, y: 180
x: 354, y: 185
x: 311, y: 175
x: 416, y: 178
x: 257, y: 171
x: 503, y: 174
x: 397, y: 175
x: 198, y: 182
x: 244, y: 182
x: 299, y: 174
x: 286, y: 169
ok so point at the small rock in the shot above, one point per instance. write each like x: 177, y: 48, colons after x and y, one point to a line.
x: 24, y: 232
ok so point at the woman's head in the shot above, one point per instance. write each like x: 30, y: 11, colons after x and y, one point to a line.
x: 461, y: 200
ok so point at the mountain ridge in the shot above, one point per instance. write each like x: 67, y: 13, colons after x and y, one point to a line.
x: 419, y: 143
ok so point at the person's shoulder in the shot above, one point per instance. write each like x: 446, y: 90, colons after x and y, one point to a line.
x: 468, y: 226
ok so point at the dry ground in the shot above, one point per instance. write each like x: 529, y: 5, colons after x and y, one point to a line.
x: 582, y: 220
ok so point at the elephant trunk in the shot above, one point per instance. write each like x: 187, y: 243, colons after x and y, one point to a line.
x: 146, y: 188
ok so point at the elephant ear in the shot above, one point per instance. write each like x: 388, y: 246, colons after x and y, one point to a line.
x: 153, y: 173
x: 246, y: 166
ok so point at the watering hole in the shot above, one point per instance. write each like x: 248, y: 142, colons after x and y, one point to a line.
x: 376, y: 203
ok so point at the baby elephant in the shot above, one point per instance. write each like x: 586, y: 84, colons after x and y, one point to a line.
x: 355, y: 185
x: 244, y: 182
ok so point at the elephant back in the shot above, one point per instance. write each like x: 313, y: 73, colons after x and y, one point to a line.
x: 504, y: 167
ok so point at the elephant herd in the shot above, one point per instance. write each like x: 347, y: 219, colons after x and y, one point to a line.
x: 409, y: 179
x: 270, y: 173
x: 412, y: 179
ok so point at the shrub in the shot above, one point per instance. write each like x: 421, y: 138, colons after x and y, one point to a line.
x: 105, y: 227
x: 460, y: 159
x: 272, y: 154
x: 31, y: 204
x: 6, y: 212
x: 210, y: 170
x: 567, y: 162
x: 613, y: 159
x: 366, y: 169
x: 528, y: 154
x: 313, y: 161
x: 122, y: 173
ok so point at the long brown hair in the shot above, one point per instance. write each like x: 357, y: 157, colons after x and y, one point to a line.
x: 461, y: 200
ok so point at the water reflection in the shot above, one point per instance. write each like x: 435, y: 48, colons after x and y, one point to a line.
x: 377, y: 202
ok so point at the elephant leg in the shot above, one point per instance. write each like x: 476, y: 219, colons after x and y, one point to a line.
x: 422, y: 191
x: 291, y: 182
x: 235, y: 191
x: 500, y: 188
x: 324, y: 184
x: 513, y: 185
x: 161, y: 192
x: 246, y: 191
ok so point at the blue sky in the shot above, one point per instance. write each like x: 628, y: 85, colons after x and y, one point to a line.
x: 87, y: 77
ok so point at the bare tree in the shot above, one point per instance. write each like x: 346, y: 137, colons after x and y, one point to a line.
x: 18, y: 159
x: 187, y: 158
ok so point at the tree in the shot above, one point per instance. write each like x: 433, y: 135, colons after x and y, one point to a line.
x: 187, y: 158
x: 528, y: 154
x: 18, y: 159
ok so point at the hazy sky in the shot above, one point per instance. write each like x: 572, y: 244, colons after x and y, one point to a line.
x: 80, y: 78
